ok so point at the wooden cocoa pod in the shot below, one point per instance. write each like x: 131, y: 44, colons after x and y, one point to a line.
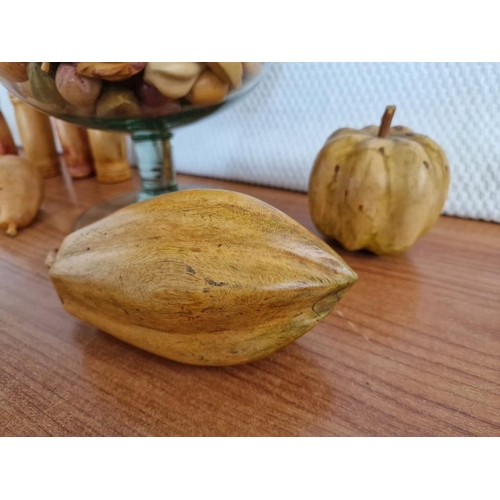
x: 206, y: 277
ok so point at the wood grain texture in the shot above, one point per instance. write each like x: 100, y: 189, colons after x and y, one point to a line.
x: 207, y: 277
x: 378, y: 188
x: 412, y: 349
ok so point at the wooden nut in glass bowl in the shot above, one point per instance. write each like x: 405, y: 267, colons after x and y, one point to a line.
x: 110, y: 71
x: 231, y: 72
x: 15, y: 72
x: 77, y: 88
x: 378, y: 188
x: 173, y: 79
x: 208, y: 89
x: 105, y: 94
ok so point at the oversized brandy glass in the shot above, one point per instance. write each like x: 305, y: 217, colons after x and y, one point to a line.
x: 147, y: 100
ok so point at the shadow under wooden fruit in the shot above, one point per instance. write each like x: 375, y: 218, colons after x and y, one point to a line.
x: 199, y: 401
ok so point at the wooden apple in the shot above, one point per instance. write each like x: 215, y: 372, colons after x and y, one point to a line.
x: 378, y: 188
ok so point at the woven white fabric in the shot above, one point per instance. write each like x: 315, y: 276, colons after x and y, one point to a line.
x: 273, y: 135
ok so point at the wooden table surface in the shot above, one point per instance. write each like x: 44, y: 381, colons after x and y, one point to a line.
x: 412, y: 349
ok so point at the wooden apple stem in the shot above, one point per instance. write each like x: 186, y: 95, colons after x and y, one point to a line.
x: 385, y: 124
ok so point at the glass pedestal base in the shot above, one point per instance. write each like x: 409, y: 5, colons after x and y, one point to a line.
x: 105, y: 208
x: 156, y: 172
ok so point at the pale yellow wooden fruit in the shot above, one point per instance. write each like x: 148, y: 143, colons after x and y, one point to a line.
x: 205, y: 277
x: 21, y: 193
x: 173, y: 79
x: 378, y: 188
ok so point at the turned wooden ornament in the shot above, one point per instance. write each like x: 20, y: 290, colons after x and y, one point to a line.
x: 7, y: 144
x: 109, y: 150
x: 37, y: 138
x: 75, y: 149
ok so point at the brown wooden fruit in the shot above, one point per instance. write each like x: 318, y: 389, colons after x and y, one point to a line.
x: 14, y: 71
x: 206, y: 277
x: 110, y: 71
x: 208, y: 89
x: 79, y: 90
x: 378, y: 188
x: 21, y: 193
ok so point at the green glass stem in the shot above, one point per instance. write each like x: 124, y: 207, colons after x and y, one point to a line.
x: 154, y: 162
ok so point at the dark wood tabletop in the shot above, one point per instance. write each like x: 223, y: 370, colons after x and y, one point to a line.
x: 413, y: 349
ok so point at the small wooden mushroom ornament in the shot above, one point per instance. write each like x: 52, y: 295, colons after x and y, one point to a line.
x: 378, y: 188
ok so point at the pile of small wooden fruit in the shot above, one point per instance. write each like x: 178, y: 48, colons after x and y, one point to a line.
x: 118, y: 89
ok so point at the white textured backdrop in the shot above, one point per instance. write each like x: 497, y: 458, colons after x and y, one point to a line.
x: 273, y: 135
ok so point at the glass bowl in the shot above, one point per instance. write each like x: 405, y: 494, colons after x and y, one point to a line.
x: 147, y: 100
